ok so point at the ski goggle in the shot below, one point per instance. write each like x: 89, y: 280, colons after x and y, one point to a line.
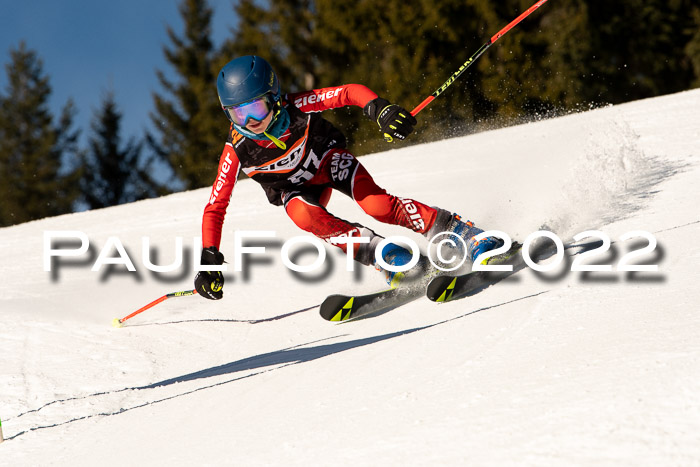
x: 256, y: 109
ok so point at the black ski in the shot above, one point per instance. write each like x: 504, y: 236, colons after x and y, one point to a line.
x: 340, y: 307
x: 446, y: 288
x: 345, y: 307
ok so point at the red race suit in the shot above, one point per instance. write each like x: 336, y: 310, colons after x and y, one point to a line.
x: 302, y: 176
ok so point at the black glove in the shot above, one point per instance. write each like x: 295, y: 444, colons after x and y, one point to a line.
x: 393, y: 120
x: 210, y: 284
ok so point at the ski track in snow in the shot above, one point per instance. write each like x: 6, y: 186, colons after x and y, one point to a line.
x: 556, y: 369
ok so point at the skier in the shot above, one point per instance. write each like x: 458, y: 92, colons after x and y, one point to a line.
x: 298, y: 157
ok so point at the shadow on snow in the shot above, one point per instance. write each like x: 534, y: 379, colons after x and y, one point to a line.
x: 264, y: 363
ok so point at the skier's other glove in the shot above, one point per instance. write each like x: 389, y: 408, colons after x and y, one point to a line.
x: 210, y: 284
x: 394, y: 121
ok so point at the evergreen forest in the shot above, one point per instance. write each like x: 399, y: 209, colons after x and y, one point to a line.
x: 568, y: 56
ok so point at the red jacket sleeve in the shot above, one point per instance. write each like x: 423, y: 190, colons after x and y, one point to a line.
x: 318, y: 100
x: 215, y: 210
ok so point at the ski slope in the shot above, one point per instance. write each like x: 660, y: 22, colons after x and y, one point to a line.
x: 557, y: 368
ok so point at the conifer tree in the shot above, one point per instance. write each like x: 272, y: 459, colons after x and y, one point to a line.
x: 113, y: 174
x: 692, y: 48
x: 566, y: 55
x: 188, y: 117
x: 404, y: 53
x: 281, y: 32
x: 637, y: 49
x: 534, y: 68
x: 36, y: 154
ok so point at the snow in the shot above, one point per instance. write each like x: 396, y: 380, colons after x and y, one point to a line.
x: 545, y: 369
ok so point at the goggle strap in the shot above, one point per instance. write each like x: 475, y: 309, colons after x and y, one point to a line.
x: 278, y: 143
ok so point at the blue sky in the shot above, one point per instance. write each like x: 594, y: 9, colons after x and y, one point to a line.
x: 88, y: 47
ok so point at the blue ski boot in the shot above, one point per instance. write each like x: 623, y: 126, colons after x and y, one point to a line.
x: 396, y: 255
x: 467, y: 231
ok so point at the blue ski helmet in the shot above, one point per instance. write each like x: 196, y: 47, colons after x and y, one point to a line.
x: 246, y: 78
